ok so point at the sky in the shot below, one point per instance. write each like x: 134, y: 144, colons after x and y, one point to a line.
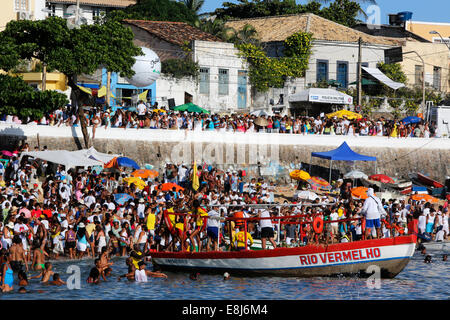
x: 423, y: 10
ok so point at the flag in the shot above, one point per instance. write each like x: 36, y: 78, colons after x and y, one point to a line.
x: 195, y: 181
x: 101, y: 92
x: 143, y: 96
x: 84, y: 89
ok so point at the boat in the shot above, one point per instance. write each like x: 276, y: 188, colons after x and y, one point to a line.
x: 428, y: 181
x: 403, y: 187
x: 391, y: 255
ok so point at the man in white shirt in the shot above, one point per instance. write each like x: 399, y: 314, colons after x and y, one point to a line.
x: 372, y: 209
x: 334, y: 216
x: 141, y: 109
x: 212, y: 229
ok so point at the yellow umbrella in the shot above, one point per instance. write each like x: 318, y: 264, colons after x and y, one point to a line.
x: 138, y: 182
x: 345, y: 113
x: 299, y: 175
x: 158, y: 110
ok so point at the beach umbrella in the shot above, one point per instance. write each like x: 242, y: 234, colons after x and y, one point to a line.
x: 138, y: 182
x: 121, y: 198
x: 261, y: 122
x: 145, y: 173
x: 299, y: 175
x: 169, y: 186
x: 425, y: 197
x: 382, y: 178
x: 121, y: 162
x: 159, y: 110
x: 306, y: 195
x: 345, y: 113
x: 319, y: 183
x: 355, y: 174
x: 190, y: 107
x: 359, y: 192
x: 411, y: 119
x: 148, y: 166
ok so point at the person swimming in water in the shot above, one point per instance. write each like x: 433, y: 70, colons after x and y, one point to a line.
x: 45, y: 273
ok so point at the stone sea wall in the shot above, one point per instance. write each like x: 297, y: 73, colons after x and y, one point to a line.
x: 258, y: 153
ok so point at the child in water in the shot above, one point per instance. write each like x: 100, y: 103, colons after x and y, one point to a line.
x: 46, y: 273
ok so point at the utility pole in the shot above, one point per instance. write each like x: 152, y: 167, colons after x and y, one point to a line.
x: 44, y: 76
x: 423, y: 77
x: 108, y: 87
x: 359, y: 75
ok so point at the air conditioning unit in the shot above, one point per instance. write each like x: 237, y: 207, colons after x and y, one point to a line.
x: 163, y: 98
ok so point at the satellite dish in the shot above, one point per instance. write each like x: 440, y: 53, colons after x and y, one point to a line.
x: 73, y: 23
x: 147, y: 69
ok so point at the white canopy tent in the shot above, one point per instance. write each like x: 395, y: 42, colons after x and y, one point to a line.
x: 380, y: 76
x: 321, y: 95
x: 91, y: 153
x: 69, y: 159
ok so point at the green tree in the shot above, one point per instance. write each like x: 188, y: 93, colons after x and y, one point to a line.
x: 194, y: 5
x: 340, y: 11
x: 158, y: 10
x: 72, y: 51
x: 217, y: 28
x: 18, y: 98
x: 247, y: 34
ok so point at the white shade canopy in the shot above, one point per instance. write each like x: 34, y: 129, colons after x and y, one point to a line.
x: 380, y: 76
x: 69, y: 159
x: 321, y: 95
x: 93, y: 154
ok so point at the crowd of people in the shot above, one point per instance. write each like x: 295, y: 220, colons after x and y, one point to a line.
x: 50, y: 213
x: 152, y: 117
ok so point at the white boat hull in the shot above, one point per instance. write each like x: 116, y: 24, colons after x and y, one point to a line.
x: 389, y: 255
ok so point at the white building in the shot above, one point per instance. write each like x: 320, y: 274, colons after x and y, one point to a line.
x: 334, y: 52
x: 90, y: 9
x: 222, y: 85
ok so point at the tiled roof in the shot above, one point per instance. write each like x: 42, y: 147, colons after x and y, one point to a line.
x: 278, y: 28
x: 174, y: 32
x: 99, y: 3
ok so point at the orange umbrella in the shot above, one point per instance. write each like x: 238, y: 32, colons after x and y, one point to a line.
x: 170, y: 185
x: 425, y: 197
x: 145, y: 173
x: 359, y: 192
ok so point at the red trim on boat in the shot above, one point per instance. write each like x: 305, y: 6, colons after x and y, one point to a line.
x: 309, y: 249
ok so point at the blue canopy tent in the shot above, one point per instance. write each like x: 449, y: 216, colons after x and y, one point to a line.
x: 342, y: 153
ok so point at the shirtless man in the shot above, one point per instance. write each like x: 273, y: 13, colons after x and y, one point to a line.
x: 131, y: 270
x: 17, y: 254
x: 104, y: 262
x: 46, y: 273
x: 38, y: 256
x: 57, y: 281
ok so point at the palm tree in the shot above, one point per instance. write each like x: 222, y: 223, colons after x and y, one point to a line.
x: 247, y: 34
x: 194, y: 5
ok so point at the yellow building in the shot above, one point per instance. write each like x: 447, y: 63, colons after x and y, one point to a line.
x: 427, y: 30
x: 54, y: 80
x: 436, y: 54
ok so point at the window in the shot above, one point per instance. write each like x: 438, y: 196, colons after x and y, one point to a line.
x: 342, y: 73
x: 223, y: 81
x: 95, y: 13
x: 418, y: 74
x: 322, y: 70
x: 20, y: 5
x: 365, y: 64
x: 437, y: 78
x: 52, y: 9
x: 204, y: 80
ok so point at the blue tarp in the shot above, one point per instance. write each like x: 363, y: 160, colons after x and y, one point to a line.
x: 127, y: 162
x: 121, y: 198
x: 343, y: 153
x: 411, y: 119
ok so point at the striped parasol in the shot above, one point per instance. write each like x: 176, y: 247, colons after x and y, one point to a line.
x: 319, y: 183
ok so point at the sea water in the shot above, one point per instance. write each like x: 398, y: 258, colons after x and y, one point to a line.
x: 418, y: 281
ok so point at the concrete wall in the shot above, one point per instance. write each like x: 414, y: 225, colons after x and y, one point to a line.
x: 169, y: 87
x: 277, y: 153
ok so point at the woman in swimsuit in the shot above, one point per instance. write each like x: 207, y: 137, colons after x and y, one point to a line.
x: 6, y: 284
